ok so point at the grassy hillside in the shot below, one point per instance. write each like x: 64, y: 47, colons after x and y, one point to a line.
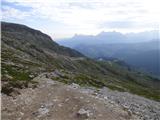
x: 27, y: 52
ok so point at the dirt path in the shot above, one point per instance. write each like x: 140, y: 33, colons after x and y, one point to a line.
x: 55, y: 101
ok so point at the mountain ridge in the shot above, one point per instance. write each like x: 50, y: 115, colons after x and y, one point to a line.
x: 49, y: 44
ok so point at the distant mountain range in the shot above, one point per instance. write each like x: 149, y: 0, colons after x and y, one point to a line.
x: 140, y: 50
x: 109, y: 38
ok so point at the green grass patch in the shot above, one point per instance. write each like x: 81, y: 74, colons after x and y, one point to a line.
x: 16, y: 72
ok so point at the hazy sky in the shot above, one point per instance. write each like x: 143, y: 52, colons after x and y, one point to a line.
x: 64, y: 18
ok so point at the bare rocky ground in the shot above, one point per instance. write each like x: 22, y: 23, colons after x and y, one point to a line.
x: 52, y: 100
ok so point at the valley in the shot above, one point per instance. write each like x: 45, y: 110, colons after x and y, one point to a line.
x: 41, y: 79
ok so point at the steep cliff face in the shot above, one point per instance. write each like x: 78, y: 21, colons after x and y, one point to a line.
x: 27, y: 52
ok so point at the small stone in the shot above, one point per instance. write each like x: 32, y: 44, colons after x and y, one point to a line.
x: 83, y: 114
x: 8, y: 76
x: 88, y: 101
x: 66, y: 99
x: 81, y: 97
x: 42, y: 106
x: 106, y: 98
x: 60, y: 105
x: 42, y: 111
x: 75, y: 86
x: 31, y: 76
x: 5, y: 71
x: 100, y: 115
x: 55, y: 100
x: 21, y: 113
x: 129, y: 112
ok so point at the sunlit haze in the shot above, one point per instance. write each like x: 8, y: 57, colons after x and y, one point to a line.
x: 64, y: 18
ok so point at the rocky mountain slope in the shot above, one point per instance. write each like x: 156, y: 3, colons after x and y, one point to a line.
x: 27, y: 53
x: 52, y: 100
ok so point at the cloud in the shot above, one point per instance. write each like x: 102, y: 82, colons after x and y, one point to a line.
x: 15, y: 5
x: 12, y: 13
x: 117, y: 24
x: 86, y: 15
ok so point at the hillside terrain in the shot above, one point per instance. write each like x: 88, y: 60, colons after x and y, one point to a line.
x: 52, y: 100
x: 28, y: 53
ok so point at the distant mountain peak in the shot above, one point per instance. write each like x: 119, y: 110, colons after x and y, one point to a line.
x: 111, y: 33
